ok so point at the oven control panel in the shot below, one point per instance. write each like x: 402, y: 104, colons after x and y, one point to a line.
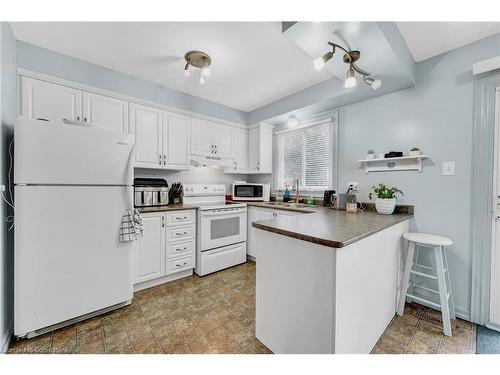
x: 204, y: 190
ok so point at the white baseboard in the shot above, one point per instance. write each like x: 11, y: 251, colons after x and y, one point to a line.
x: 7, y: 337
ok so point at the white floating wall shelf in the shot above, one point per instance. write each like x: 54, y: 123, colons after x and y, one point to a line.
x: 403, y: 163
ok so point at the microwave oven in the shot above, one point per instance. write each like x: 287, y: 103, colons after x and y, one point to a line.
x: 251, y: 192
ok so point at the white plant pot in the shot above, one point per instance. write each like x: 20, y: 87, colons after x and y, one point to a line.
x: 414, y: 153
x: 370, y: 156
x: 385, y: 206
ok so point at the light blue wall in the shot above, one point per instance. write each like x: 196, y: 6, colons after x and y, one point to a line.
x: 435, y: 115
x: 42, y: 60
x: 7, y: 115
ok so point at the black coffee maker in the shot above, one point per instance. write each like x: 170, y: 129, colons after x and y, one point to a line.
x: 327, y: 198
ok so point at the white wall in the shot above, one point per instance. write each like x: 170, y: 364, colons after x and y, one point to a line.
x: 7, y: 115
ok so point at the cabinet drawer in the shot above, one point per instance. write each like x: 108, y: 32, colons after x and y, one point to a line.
x: 180, y: 217
x: 180, y: 248
x: 180, y: 264
x: 180, y: 233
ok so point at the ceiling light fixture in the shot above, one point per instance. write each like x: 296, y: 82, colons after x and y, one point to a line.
x: 200, y: 60
x: 350, y: 57
x: 292, y: 121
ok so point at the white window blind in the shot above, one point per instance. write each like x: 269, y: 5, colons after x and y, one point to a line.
x: 307, y: 153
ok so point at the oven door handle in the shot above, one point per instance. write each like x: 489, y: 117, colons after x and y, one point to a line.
x: 223, y: 213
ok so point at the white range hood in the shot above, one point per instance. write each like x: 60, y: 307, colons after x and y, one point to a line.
x: 210, y: 161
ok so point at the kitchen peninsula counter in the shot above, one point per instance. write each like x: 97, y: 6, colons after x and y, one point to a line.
x: 327, y: 280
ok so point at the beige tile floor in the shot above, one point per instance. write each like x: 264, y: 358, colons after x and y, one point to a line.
x: 212, y: 314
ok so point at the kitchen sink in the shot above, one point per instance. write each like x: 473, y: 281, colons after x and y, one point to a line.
x: 290, y: 204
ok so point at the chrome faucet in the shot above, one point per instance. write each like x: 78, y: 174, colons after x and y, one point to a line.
x: 297, y: 190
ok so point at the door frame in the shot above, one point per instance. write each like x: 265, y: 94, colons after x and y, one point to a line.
x: 482, y: 193
x: 496, y: 190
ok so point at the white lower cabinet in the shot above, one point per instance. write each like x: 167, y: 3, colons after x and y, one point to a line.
x: 257, y: 214
x: 150, y: 254
x: 167, y: 246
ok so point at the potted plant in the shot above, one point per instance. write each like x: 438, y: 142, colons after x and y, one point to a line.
x: 415, y: 151
x: 386, y: 198
x: 370, y: 154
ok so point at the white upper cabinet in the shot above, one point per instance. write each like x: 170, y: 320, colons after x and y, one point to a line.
x: 240, y: 151
x: 47, y: 101
x: 211, y: 139
x: 260, y: 149
x: 146, y: 124
x: 224, y: 141
x: 105, y: 111
x: 176, y: 140
x: 202, y: 138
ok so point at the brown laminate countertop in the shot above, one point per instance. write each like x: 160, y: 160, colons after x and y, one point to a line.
x: 170, y: 207
x: 328, y: 227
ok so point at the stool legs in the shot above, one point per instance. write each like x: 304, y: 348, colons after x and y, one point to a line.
x: 448, y: 284
x: 406, y: 277
x: 443, y: 293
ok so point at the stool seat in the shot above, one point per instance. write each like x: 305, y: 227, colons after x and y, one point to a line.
x: 428, y: 239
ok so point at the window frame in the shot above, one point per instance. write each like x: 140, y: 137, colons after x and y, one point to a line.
x: 278, y: 152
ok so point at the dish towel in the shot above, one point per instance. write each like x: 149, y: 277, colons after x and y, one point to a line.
x: 131, y: 226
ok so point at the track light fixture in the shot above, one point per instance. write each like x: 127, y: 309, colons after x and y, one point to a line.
x: 350, y: 57
x: 199, y: 60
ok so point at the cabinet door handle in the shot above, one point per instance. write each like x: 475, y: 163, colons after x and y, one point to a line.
x: 85, y: 119
x: 181, y: 218
x: 180, y: 265
x: 180, y: 234
x: 258, y: 165
x: 164, y: 159
x: 77, y: 118
x: 159, y: 159
x: 179, y: 249
x: 235, y: 165
x: 163, y: 221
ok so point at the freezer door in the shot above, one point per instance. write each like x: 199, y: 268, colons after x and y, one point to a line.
x: 53, y: 153
x: 68, y: 258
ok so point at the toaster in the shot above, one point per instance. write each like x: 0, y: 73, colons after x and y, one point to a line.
x: 150, y: 192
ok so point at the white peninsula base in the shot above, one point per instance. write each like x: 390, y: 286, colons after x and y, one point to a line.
x: 316, y: 299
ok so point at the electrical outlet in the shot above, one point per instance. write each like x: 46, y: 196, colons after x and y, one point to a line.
x: 2, y: 188
x: 355, y: 186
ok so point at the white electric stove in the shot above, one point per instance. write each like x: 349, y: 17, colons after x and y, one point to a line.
x: 221, y: 228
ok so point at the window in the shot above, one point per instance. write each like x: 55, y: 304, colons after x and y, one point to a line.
x: 309, y: 154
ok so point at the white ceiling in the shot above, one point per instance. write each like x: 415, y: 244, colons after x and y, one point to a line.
x: 428, y: 39
x: 253, y: 64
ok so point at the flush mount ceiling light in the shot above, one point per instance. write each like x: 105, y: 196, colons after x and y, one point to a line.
x: 292, y: 121
x: 200, y: 60
x: 350, y: 57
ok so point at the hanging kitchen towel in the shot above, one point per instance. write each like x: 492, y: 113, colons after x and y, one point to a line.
x: 131, y: 226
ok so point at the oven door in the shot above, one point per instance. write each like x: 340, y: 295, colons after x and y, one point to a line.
x: 221, y: 227
x: 248, y: 192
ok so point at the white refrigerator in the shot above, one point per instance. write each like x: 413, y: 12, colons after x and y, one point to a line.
x: 73, y: 184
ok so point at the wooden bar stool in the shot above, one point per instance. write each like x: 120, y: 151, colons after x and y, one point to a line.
x: 440, y: 273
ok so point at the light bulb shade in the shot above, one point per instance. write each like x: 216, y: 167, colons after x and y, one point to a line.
x: 201, y: 80
x: 292, y: 121
x: 206, y: 71
x: 373, y: 83
x: 350, y: 80
x: 319, y: 63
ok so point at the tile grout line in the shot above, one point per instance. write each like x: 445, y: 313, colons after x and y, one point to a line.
x: 149, y: 325
x: 172, y: 323
x: 103, y: 337
x: 415, y: 329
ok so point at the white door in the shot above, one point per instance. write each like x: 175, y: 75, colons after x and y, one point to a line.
x: 150, y: 249
x: 47, y: 101
x: 253, y: 150
x: 202, y: 137
x: 255, y: 215
x: 105, y: 111
x: 176, y: 140
x: 224, y: 141
x: 495, y: 254
x: 146, y: 126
